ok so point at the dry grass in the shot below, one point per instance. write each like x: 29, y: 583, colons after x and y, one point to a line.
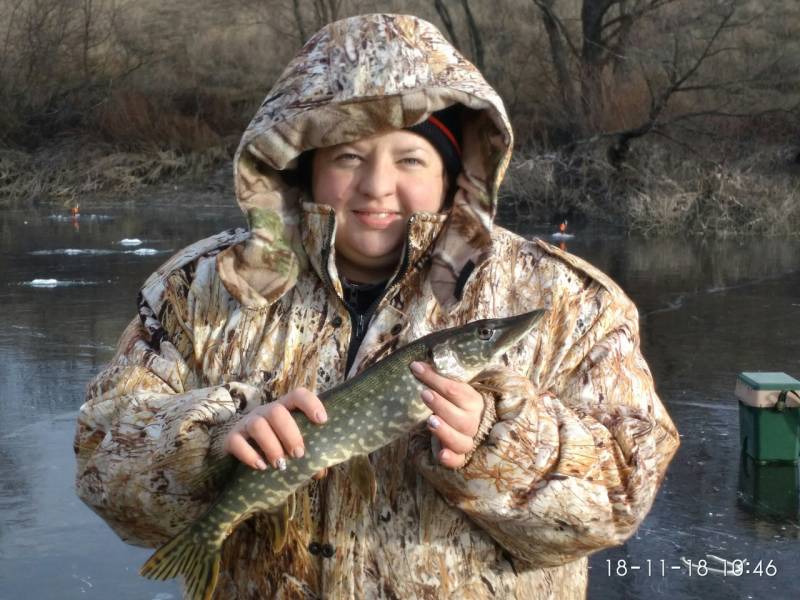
x: 663, y: 192
x: 758, y: 196
x: 545, y: 185
x: 70, y: 171
x: 185, y: 122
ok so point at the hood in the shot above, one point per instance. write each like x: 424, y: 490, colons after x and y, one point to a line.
x: 356, y: 77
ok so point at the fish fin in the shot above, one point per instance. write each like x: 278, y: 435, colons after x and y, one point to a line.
x: 362, y: 476
x: 216, y: 472
x: 291, y: 503
x: 186, y: 555
x: 208, y: 470
x: 280, y: 527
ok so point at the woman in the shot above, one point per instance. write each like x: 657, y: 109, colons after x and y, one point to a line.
x: 369, y: 178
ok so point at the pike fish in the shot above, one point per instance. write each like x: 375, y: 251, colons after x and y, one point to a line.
x: 365, y: 413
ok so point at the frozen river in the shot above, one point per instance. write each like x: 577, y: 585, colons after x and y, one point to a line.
x: 709, y: 310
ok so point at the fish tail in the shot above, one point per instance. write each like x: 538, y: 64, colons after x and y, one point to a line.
x: 185, y: 554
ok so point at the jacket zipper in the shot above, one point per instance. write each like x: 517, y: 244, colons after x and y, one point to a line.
x: 326, y: 253
x: 358, y: 321
x: 364, y: 319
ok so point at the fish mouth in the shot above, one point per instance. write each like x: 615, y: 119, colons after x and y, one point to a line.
x: 513, y: 329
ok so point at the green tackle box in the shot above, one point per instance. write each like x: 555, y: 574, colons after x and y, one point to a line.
x: 769, y: 489
x: 769, y: 416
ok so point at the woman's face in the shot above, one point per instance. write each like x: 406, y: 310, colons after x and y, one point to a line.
x: 374, y: 185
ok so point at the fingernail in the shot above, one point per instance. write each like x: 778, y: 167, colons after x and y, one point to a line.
x: 298, y: 452
x: 261, y: 465
x: 320, y: 416
x: 427, y: 397
x: 280, y: 464
x: 434, y: 422
x: 417, y: 367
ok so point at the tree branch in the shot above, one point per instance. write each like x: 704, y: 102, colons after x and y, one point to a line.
x: 447, y: 21
x: 556, y: 38
x: 546, y: 6
x: 636, y: 14
x: 474, y: 36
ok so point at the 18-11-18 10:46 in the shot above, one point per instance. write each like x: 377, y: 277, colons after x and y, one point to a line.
x: 699, y: 568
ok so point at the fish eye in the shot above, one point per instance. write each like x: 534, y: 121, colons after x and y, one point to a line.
x: 485, y: 333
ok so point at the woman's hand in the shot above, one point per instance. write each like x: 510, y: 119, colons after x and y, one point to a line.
x: 271, y: 429
x: 457, y: 409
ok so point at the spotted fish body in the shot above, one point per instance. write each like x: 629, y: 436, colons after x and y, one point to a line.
x: 364, y: 414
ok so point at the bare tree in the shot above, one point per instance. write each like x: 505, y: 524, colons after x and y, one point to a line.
x: 474, y: 33
x: 295, y: 19
x: 682, y: 74
x: 298, y: 18
x: 447, y: 21
x: 605, y: 27
x: 475, y: 38
x: 288, y: 19
x: 327, y: 11
x: 58, y: 60
x: 585, y: 60
x: 560, y: 45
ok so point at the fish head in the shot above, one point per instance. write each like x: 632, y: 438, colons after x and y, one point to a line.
x: 463, y: 352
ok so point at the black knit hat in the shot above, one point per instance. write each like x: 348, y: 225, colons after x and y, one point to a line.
x: 443, y: 130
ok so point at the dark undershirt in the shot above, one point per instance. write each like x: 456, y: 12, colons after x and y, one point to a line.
x: 359, y: 298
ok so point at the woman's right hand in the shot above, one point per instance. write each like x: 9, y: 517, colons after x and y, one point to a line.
x: 271, y: 429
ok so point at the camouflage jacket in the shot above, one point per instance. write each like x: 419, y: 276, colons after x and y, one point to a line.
x: 575, y: 441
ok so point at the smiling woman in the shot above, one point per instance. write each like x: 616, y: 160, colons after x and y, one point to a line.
x: 374, y: 185
x: 369, y: 178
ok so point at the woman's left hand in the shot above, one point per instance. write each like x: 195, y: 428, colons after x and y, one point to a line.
x: 457, y: 409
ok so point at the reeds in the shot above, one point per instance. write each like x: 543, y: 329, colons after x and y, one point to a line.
x: 68, y: 172
x: 662, y: 191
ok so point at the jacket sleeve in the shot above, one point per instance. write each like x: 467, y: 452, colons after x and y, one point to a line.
x: 577, y: 451
x: 149, y: 434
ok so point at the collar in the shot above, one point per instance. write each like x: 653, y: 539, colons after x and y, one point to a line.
x: 319, y: 228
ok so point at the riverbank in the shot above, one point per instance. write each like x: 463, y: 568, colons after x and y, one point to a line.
x: 69, y: 170
x: 656, y: 192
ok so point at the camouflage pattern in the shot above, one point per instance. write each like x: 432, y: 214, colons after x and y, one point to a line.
x: 356, y: 77
x: 574, y: 442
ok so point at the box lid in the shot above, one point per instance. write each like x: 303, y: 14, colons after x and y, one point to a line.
x: 769, y: 381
